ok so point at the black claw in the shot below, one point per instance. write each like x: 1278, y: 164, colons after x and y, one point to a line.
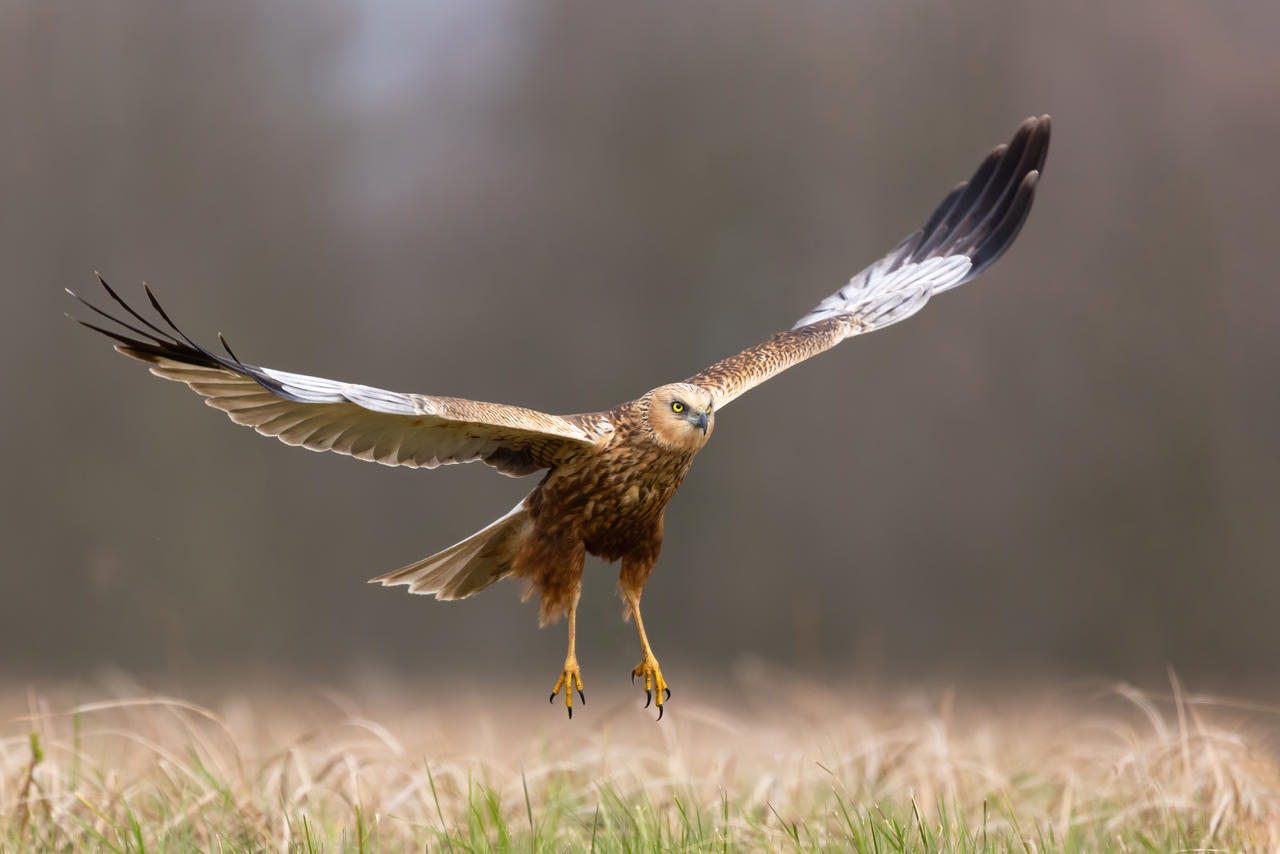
x: 648, y: 697
x: 582, y: 697
x: 552, y: 698
x: 660, y: 710
x: 633, y: 677
x: 668, y: 690
x: 570, y: 712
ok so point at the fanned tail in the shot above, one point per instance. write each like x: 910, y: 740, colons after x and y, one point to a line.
x: 467, y: 567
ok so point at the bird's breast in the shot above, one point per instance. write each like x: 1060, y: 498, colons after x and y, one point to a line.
x: 614, y: 502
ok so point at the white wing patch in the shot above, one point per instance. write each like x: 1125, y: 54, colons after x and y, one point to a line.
x: 879, y: 296
x: 319, y: 390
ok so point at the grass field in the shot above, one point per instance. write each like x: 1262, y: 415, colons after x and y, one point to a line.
x: 297, y: 769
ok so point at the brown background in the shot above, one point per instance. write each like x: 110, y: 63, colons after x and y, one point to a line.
x: 1068, y: 467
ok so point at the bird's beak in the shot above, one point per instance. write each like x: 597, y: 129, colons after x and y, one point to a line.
x: 702, y: 421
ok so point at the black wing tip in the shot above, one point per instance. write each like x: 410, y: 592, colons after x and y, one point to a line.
x: 151, y: 342
x: 107, y: 287
x: 222, y: 339
x: 982, y: 216
x: 1031, y: 136
x: 1036, y: 130
x: 1035, y: 124
x: 1005, y: 229
x: 155, y: 303
x: 156, y: 344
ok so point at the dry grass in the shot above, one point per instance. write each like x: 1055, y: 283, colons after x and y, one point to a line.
x: 1118, y: 770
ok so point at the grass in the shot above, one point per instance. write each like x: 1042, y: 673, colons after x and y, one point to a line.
x: 296, y: 771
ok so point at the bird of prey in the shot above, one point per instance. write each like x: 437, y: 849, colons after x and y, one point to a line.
x: 608, y: 475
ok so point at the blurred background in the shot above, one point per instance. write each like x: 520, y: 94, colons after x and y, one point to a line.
x: 1069, y: 467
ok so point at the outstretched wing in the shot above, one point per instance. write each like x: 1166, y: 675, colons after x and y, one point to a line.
x: 972, y: 227
x: 415, y: 430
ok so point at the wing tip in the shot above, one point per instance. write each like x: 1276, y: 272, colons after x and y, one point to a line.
x: 979, y: 219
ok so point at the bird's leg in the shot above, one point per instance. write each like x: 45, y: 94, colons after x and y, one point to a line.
x: 655, y: 687
x: 571, y: 675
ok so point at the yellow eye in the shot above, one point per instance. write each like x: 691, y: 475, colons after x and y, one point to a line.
x: 677, y: 407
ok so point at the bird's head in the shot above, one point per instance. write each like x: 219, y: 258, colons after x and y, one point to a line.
x: 681, y: 415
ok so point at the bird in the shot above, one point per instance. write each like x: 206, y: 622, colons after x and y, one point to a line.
x: 607, y: 475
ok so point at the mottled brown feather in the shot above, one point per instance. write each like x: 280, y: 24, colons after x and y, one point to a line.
x: 741, y: 372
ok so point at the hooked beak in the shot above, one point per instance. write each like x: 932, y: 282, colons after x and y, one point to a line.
x: 701, y: 422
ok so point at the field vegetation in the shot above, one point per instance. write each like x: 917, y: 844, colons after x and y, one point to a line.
x: 305, y: 770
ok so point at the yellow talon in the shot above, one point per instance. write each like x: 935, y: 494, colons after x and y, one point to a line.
x: 569, y: 677
x: 655, y: 687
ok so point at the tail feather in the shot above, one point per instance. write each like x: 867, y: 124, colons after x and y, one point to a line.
x: 467, y: 567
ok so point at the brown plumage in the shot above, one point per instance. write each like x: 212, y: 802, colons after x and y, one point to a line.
x: 609, y: 475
